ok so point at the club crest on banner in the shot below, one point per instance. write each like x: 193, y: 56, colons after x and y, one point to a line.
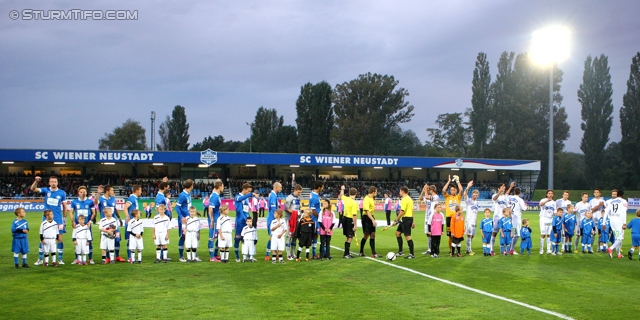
x: 208, y: 157
x: 459, y: 162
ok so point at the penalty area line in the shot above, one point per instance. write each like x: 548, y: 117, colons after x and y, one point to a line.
x: 462, y: 286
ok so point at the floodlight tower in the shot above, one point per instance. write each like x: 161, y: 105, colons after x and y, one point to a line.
x: 153, y: 130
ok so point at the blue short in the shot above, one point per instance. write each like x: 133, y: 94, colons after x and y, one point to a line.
x: 506, y: 240
x: 568, y: 234
x: 635, y: 240
x: 487, y: 237
x: 20, y: 245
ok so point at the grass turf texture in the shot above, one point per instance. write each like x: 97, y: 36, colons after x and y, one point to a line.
x: 580, y: 286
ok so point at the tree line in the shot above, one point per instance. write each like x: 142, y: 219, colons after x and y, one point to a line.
x: 508, y: 119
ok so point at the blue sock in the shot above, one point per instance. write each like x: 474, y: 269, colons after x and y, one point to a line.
x: 210, y: 247
x: 15, y: 259
x: 40, y: 253
x: 313, y: 249
x: 236, y: 246
x: 268, y: 248
x: 117, y: 248
x: 60, y: 250
x: 181, y: 247
x: 24, y: 259
x: 215, y: 251
x: 128, y: 251
x: 90, y: 251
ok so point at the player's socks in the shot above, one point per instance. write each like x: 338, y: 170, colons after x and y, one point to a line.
x: 16, y: 258
x: 53, y: 257
x: 139, y: 255
x: 164, y: 253
x: 492, y: 243
x: 60, y: 250
x: 410, y: 244
x: 24, y: 259
x: 188, y: 254
x: 313, y: 246
x: 300, y: 250
x: 399, y: 239
x: 237, y: 252
x: 548, y: 244
x: 429, y: 242
x: 128, y: 251
x: 469, y: 244
x: 372, y: 244
x: 40, y: 252
x: 158, y: 253
x: 268, y: 248
x: 273, y: 257
x: 112, y: 255
x: 90, y: 251
x: 362, y: 243
x: 104, y: 257
x: 181, y: 246
x: 307, y: 252
x: 280, y: 258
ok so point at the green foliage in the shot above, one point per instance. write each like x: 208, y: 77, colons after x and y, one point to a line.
x: 163, y: 132
x: 630, y: 121
x: 178, y: 130
x: 314, y: 118
x: 367, y: 108
x: 570, y: 171
x: 597, y: 109
x: 218, y: 143
x: 450, y: 139
x: 264, y: 130
x: 129, y: 136
x: 480, y: 113
x: 287, y: 139
x: 401, y: 143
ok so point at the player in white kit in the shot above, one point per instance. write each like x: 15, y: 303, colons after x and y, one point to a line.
x: 500, y: 202
x: 48, y: 237
x: 108, y: 230
x: 517, y: 205
x: 161, y: 233
x: 136, y: 243
x: 249, y: 237
x: 431, y: 199
x: 472, y: 215
x: 547, y: 210
x: 562, y: 204
x: 192, y: 235
x: 597, y: 210
x: 278, y: 228
x: 617, y: 212
x: 81, y: 237
x: 224, y: 227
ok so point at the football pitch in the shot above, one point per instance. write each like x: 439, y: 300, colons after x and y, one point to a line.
x: 579, y: 286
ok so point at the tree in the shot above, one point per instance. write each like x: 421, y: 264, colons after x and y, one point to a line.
x: 264, y: 130
x: 595, y: 97
x: 163, y: 132
x: 178, y: 130
x: 401, y: 143
x: 218, y: 143
x: 366, y: 108
x: 480, y: 113
x: 616, y: 172
x: 314, y: 118
x: 287, y: 139
x: 129, y: 136
x: 630, y: 120
x: 451, y: 137
x: 570, y: 170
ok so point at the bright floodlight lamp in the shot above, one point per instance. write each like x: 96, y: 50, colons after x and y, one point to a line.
x: 550, y: 45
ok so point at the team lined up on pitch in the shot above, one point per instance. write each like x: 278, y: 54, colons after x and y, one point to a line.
x: 293, y: 228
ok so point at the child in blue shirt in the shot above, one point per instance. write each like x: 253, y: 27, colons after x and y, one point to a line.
x: 569, y: 227
x: 20, y: 244
x: 487, y: 228
x: 634, y: 225
x: 556, y: 232
x: 505, y: 225
x: 603, y: 226
x: 525, y: 233
x: 587, y: 228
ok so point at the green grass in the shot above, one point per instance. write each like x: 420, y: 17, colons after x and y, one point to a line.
x: 580, y: 286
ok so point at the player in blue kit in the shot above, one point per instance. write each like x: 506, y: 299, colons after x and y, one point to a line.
x: 54, y: 200
x: 108, y: 200
x: 215, y: 201
x: 505, y: 225
x: 634, y: 225
x: 182, y: 208
x: 129, y: 206
x: 20, y: 243
x: 241, y: 201
x: 603, y: 228
x: 556, y: 232
x: 272, y: 205
x: 569, y: 225
x: 486, y: 226
x: 525, y: 233
x: 588, y: 230
x: 83, y: 206
x: 316, y: 210
x: 161, y: 198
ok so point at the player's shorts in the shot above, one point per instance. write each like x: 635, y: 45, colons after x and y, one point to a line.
x: 107, y: 244
x: 588, y: 239
x: 545, y: 226
x: 526, y: 244
x: 226, y: 243
x: 405, y: 225
x: 568, y: 234
x: 517, y: 225
x: 191, y: 240
x: 347, y: 227
x: 82, y: 247
x: 62, y: 226
x: 603, y: 237
x: 456, y: 240
x: 506, y: 240
x: 249, y: 247
x: 486, y: 238
x: 20, y: 245
x: 306, y: 239
x: 556, y: 236
x: 161, y: 239
x: 496, y: 221
x: 277, y: 244
x: 50, y: 245
x: 448, y: 225
x: 135, y: 243
x: 470, y: 230
x: 367, y: 225
x: 635, y: 240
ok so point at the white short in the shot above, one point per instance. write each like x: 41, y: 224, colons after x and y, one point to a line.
x: 161, y: 239
x: 135, y: 243
x: 277, y: 244
x: 249, y: 247
x: 191, y: 240
x: 517, y: 225
x: 470, y: 230
x: 545, y: 226
x: 82, y: 247
x: 50, y: 245
x: 618, y: 234
x: 107, y: 244
x: 496, y: 221
x: 226, y: 243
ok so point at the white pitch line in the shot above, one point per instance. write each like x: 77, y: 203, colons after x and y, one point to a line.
x: 462, y: 286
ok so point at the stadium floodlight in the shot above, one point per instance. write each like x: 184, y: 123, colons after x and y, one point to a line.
x: 59, y: 162
x: 337, y: 167
x: 250, y: 165
x: 417, y: 168
x: 202, y: 165
x: 109, y: 163
x: 294, y: 166
x: 455, y: 169
x: 491, y: 170
x: 158, y: 164
x: 548, y: 47
x: 7, y: 162
x: 377, y: 167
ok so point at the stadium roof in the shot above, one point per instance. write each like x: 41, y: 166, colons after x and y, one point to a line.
x: 210, y: 157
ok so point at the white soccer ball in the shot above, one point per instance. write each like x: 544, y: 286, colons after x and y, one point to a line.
x: 391, y: 256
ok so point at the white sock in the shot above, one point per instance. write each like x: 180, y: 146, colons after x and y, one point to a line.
x: 548, y: 244
x: 164, y: 253
x: 541, y: 244
x: 158, y: 254
x: 492, y: 244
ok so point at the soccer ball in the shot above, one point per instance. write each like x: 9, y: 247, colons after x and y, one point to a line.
x: 391, y: 256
